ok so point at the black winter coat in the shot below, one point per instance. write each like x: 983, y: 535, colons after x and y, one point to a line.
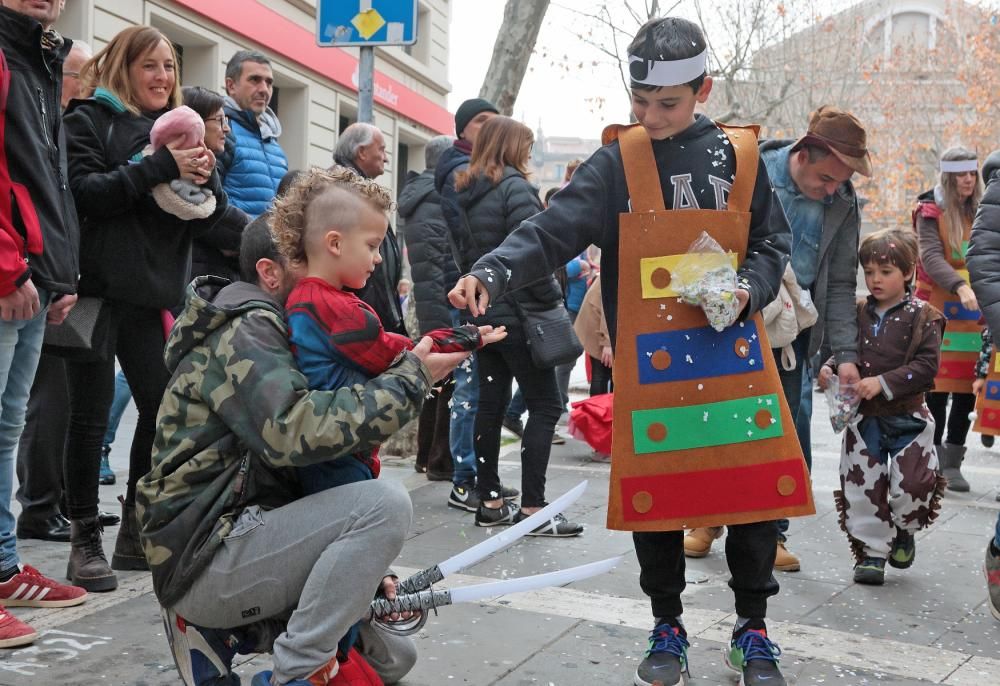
x: 207, y: 256
x: 493, y: 212
x: 452, y: 161
x: 983, y: 258
x: 130, y: 249
x: 36, y: 149
x: 432, y: 264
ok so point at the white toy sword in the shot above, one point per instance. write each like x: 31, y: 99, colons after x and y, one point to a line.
x: 424, y: 579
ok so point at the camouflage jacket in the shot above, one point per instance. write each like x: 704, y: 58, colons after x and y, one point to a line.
x: 237, y: 416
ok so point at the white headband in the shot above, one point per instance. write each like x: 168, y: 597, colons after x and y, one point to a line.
x: 955, y: 166
x: 669, y: 73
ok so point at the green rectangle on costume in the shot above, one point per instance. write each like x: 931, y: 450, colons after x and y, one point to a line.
x: 962, y: 342
x: 701, y: 426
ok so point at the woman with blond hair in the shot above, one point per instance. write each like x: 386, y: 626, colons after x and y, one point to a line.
x: 495, y: 196
x: 136, y: 258
x: 943, y: 220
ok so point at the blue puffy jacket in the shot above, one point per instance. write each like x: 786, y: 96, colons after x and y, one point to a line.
x: 251, y: 166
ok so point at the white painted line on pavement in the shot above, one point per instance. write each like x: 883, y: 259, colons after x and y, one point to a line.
x: 847, y: 649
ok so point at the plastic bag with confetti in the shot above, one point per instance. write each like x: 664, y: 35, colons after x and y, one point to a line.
x: 843, y: 402
x: 706, y: 277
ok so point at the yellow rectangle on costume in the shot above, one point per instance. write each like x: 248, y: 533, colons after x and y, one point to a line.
x: 656, y: 272
x: 964, y: 273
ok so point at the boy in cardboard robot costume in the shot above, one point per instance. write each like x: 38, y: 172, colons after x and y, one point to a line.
x: 702, y: 434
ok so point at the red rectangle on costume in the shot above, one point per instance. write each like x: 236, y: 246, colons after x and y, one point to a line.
x: 989, y: 417
x: 957, y: 369
x: 766, y: 486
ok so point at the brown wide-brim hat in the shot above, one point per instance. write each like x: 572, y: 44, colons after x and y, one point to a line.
x: 841, y: 133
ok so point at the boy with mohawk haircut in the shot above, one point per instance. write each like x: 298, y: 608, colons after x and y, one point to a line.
x: 330, y: 224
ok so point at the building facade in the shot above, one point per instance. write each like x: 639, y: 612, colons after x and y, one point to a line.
x: 315, y: 94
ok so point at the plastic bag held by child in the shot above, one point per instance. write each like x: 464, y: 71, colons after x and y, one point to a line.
x: 843, y: 402
x: 706, y: 277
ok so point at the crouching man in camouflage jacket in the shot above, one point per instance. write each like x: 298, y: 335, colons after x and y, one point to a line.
x: 239, y: 562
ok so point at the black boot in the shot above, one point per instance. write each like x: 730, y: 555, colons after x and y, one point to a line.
x: 88, y: 567
x: 950, y: 457
x: 128, y: 547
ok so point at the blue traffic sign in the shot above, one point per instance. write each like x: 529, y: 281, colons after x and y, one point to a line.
x: 347, y: 23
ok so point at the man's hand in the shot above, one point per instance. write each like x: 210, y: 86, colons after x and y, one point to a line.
x: 60, y: 308
x: 22, y: 304
x: 470, y: 293
x: 607, y: 356
x: 439, y: 365
x: 848, y: 373
x: 868, y: 388
x: 388, y: 589
x: 491, y: 335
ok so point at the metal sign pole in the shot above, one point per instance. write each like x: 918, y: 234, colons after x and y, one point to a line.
x: 366, y: 84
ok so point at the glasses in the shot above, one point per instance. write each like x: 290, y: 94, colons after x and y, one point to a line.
x: 73, y: 74
x: 222, y: 120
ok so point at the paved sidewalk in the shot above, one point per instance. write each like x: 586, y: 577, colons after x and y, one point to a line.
x: 927, y: 625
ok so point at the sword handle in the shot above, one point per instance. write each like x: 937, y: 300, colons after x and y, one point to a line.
x: 420, y: 581
x: 410, y: 602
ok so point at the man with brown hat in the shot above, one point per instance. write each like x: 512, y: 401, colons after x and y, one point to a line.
x: 812, y: 177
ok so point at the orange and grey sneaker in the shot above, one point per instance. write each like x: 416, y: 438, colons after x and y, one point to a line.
x: 29, y: 588
x: 14, y: 632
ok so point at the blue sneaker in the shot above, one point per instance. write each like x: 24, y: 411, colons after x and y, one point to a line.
x: 665, y: 663
x: 754, y: 656
x: 204, y: 657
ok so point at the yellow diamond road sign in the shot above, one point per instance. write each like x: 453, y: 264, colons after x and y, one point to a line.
x: 368, y: 23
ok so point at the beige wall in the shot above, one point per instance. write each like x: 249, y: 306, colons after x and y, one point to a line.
x: 310, y: 107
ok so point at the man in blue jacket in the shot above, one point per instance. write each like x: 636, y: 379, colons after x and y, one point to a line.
x: 253, y: 162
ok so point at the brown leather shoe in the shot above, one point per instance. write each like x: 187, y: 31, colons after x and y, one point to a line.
x: 785, y: 561
x: 698, y: 542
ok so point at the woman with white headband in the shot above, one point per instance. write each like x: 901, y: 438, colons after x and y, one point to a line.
x: 943, y: 220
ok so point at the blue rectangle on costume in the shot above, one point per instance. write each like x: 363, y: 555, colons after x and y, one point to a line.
x: 993, y: 390
x: 700, y: 353
x: 954, y: 310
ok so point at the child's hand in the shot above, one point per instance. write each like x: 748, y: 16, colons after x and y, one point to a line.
x: 742, y: 297
x: 977, y: 386
x: 388, y: 589
x: 607, y: 356
x: 492, y: 335
x: 470, y: 293
x: 869, y: 388
x: 825, y: 374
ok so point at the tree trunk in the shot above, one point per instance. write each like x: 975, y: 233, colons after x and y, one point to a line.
x: 511, y: 52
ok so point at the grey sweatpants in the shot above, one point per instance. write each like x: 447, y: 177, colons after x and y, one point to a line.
x: 317, y: 561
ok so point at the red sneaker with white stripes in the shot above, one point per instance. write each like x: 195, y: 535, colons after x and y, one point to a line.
x: 14, y: 632
x: 29, y: 588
